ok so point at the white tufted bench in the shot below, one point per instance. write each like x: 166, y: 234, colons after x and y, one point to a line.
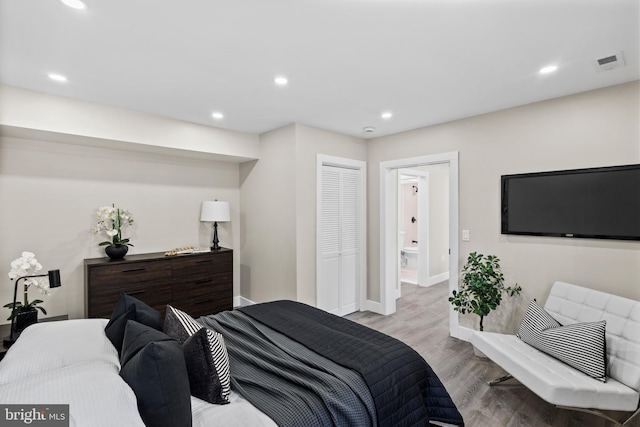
x: 560, y: 384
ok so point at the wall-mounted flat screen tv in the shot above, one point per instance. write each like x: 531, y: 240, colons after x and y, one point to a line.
x: 597, y: 203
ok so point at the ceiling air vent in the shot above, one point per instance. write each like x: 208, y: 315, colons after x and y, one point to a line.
x: 610, y: 62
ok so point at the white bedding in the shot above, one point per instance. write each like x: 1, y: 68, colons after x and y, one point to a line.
x: 73, y: 362
x: 51, y: 345
x: 238, y: 413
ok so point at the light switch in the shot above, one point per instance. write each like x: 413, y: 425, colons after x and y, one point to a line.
x: 465, y: 235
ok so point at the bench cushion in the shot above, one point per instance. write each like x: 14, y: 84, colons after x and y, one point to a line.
x: 580, y: 345
x: 551, y: 379
x: 569, y: 303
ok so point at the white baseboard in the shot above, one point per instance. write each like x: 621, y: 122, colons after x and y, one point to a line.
x: 241, y: 301
x: 372, y: 306
x: 465, y: 334
x: 438, y: 278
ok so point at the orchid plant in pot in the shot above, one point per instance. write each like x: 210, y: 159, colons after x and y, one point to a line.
x: 111, y: 220
x: 25, y: 312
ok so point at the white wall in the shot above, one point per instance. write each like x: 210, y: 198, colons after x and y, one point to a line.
x: 50, y: 190
x: 312, y: 141
x: 29, y: 114
x: 597, y: 128
x: 268, y: 218
x: 49, y: 193
x: 60, y: 159
x: 278, y: 199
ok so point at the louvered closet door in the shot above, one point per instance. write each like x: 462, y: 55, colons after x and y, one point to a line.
x: 338, y: 270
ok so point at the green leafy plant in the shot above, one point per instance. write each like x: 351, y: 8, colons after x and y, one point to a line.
x: 481, y: 286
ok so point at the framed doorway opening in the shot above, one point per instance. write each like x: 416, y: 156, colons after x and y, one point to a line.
x: 388, y: 229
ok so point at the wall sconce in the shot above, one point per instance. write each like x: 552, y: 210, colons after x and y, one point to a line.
x: 215, y: 211
x: 54, y: 282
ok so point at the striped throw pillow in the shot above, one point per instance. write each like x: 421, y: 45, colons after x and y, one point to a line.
x: 579, y: 345
x: 205, y: 353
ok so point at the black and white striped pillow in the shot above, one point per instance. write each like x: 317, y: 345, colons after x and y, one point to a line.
x: 580, y: 345
x: 205, y: 354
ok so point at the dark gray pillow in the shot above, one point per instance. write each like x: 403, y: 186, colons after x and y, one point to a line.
x: 579, y: 345
x: 122, y: 312
x: 116, y: 327
x: 205, y: 354
x: 179, y: 325
x: 136, y: 337
x: 157, y: 374
x: 205, y: 381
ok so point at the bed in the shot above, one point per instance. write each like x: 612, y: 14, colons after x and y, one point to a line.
x: 279, y: 363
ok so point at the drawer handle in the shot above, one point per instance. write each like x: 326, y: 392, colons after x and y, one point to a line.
x: 135, y: 292
x: 133, y: 270
x: 199, y: 282
x: 203, y: 302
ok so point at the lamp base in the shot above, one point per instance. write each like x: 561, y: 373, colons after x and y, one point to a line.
x: 215, y: 246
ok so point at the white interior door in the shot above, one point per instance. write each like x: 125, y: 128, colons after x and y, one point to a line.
x: 339, y: 240
x: 349, y: 241
x: 329, y: 268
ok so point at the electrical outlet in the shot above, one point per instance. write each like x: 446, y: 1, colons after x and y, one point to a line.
x: 465, y: 235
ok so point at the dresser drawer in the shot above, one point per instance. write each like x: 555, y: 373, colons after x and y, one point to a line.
x: 204, y: 305
x: 103, y: 301
x: 129, y: 274
x: 200, y: 265
x: 195, y: 287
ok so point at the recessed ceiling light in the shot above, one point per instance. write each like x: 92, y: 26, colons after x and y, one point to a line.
x: 217, y: 115
x: 57, y: 77
x: 281, y: 80
x: 74, y: 4
x: 386, y: 115
x: 548, y: 69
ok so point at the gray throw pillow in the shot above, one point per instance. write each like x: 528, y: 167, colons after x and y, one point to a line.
x: 205, y: 354
x: 579, y: 345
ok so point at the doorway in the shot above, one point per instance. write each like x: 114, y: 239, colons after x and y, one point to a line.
x: 413, y: 227
x: 389, y: 259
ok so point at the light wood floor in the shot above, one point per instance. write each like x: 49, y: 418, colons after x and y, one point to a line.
x: 421, y: 321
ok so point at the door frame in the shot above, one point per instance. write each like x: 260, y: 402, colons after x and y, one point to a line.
x: 361, y: 167
x: 388, y: 229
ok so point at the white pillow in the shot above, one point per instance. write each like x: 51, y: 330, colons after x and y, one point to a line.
x: 50, y: 345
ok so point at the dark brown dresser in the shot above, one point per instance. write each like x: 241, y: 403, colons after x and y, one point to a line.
x: 198, y: 284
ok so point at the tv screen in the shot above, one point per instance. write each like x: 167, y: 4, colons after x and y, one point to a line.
x: 601, y: 203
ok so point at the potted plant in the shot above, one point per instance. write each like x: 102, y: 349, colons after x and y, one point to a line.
x: 25, y: 312
x: 481, y: 286
x: 111, y: 220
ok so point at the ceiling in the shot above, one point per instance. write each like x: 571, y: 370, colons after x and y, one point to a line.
x: 347, y: 61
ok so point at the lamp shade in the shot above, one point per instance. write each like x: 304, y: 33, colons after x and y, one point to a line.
x: 215, y: 211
